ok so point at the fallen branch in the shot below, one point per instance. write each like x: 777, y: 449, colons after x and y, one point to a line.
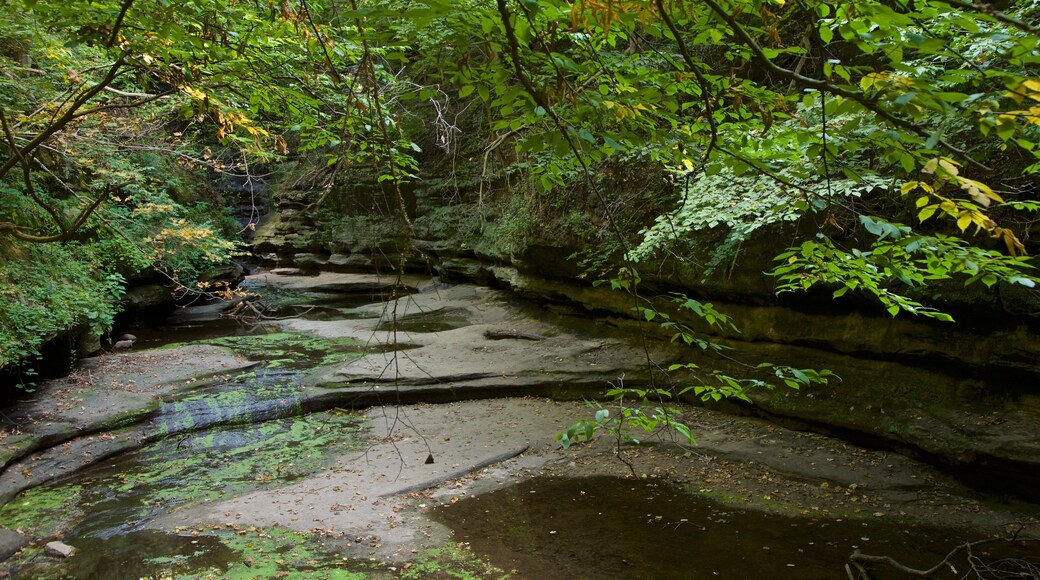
x: 857, y: 567
x: 457, y: 472
x: 511, y: 334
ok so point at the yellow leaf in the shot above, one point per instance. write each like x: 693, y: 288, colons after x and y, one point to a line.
x: 948, y: 166
x: 1032, y: 88
x: 930, y: 166
x: 964, y: 221
x: 908, y: 187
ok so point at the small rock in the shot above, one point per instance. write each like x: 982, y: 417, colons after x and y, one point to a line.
x: 123, y: 345
x: 59, y: 549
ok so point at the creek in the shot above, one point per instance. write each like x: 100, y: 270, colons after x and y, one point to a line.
x: 608, y: 527
x: 254, y: 432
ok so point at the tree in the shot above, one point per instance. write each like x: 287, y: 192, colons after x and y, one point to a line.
x: 858, y: 115
x: 903, y: 131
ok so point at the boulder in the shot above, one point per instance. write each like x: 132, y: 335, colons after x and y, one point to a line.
x: 10, y: 542
x: 146, y: 297
x: 309, y: 261
x: 88, y: 343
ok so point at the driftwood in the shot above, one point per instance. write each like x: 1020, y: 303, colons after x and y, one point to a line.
x: 857, y: 567
x: 250, y: 308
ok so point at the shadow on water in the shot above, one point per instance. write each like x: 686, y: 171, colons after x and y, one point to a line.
x: 204, y: 320
x: 144, y: 554
x: 605, y: 527
x: 438, y: 320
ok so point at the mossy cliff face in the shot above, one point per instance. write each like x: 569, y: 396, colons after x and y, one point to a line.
x: 962, y: 394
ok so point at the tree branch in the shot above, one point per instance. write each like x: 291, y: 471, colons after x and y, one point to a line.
x: 63, y: 120
x: 27, y: 175
x: 147, y: 99
x: 144, y: 95
x: 119, y: 22
x: 821, y: 85
x: 706, y: 96
x: 988, y: 10
x: 66, y: 234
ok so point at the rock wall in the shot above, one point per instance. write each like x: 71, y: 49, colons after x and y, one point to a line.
x: 962, y: 395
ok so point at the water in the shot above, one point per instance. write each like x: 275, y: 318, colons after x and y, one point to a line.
x: 246, y: 433
x: 606, y: 527
x: 220, y: 440
x: 438, y: 320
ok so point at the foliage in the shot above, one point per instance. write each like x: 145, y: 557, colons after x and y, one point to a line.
x: 781, y: 109
x: 89, y: 166
x: 47, y: 289
x: 642, y: 409
x: 842, y: 115
x: 898, y: 258
x: 633, y: 412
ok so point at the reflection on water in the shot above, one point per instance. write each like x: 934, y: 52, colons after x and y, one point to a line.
x: 605, y: 527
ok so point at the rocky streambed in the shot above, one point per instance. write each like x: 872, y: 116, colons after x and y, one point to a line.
x: 385, y: 427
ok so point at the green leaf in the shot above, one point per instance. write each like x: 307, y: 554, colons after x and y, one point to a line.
x: 826, y: 34
x: 933, y: 139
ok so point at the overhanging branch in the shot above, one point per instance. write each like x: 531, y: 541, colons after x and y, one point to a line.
x: 823, y: 86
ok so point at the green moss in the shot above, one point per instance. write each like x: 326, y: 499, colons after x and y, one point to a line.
x: 282, y: 553
x: 291, y: 350
x: 42, y: 511
x: 458, y: 226
x: 197, y: 468
x: 130, y: 417
x: 16, y: 446
x: 452, y: 561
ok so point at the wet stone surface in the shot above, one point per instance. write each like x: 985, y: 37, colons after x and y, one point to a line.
x: 237, y: 456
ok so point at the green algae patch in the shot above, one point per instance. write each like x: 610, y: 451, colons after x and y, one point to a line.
x: 228, y: 461
x: 292, y: 350
x: 42, y: 511
x: 282, y: 553
x: 124, y: 494
x: 451, y: 561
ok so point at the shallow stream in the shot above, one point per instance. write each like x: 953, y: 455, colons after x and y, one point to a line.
x: 248, y: 432
x: 607, y: 527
